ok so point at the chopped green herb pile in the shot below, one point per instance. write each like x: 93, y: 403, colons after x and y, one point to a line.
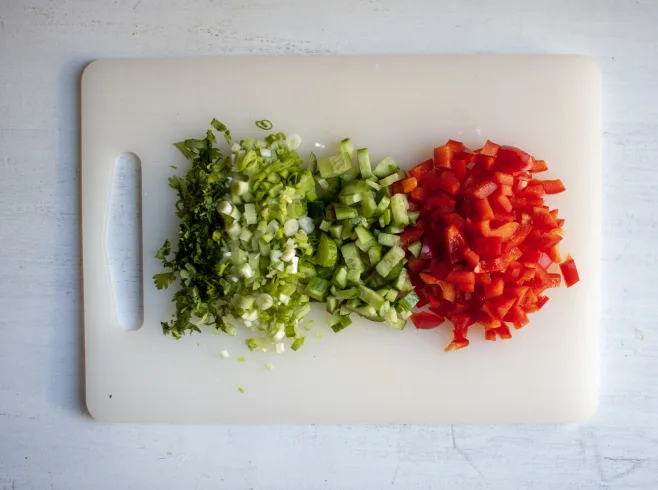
x: 245, y: 240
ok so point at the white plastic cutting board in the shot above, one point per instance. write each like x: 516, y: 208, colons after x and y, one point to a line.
x: 399, y: 106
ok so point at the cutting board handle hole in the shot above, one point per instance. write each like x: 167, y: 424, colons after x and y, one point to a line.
x: 123, y: 241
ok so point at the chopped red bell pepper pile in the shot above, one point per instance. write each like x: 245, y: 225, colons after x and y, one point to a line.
x: 482, y: 249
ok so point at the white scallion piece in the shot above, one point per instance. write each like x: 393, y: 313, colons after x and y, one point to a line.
x: 291, y: 227
x: 288, y: 255
x: 293, y: 141
x: 225, y: 207
x: 306, y: 224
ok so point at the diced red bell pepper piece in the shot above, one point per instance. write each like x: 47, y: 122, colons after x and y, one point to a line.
x: 489, y: 307
x: 489, y: 149
x: 541, y: 301
x: 512, y: 255
x: 443, y: 155
x: 466, y: 287
x: 485, y: 189
x: 539, y: 166
x: 440, y: 202
x: 485, y: 162
x: 526, y: 275
x: 414, y: 264
x: 449, y: 182
x: 518, y: 237
x: 512, y: 160
x: 484, y: 208
x: 461, y: 321
x: 494, y: 289
x: 503, y: 202
x: 453, y: 219
x: 549, y: 239
x: 429, y: 278
x: 547, y: 279
x: 439, y: 268
x: 542, y: 218
x: 516, y: 315
x: 505, y: 231
x: 491, y: 265
x: 503, y: 179
x: 554, y: 254
x: 552, y: 186
x: 569, y: 271
x: 466, y: 156
x: 532, y: 191
x: 459, y: 166
x: 520, y: 184
x: 544, y: 260
x: 489, y: 247
x: 396, y: 188
x: 433, y: 293
x: 424, y: 320
x: 457, y: 344
x: 456, y: 146
x: 461, y: 277
x: 409, y: 184
x: 471, y: 257
x: 431, y: 182
x: 507, y: 191
x: 421, y: 169
x: 513, y: 272
x: 448, y: 290
x: 483, y: 279
x: 503, y: 332
x: 420, y: 194
x: 410, y: 235
x: 455, y: 243
x: 525, y: 203
x: 422, y: 298
x: 490, y: 335
x: 520, y: 293
x: 503, y: 305
x: 486, y: 320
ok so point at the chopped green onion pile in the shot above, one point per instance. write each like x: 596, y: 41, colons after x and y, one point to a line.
x: 245, y: 239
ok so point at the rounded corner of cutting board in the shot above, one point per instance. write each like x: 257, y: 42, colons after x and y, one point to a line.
x: 96, y: 412
x: 91, y: 71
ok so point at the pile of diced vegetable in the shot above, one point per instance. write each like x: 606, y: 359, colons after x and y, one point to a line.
x: 245, y: 240
x: 484, y: 243
x: 359, y: 262
x: 263, y: 234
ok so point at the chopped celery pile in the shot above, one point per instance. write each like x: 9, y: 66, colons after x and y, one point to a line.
x: 359, y: 265
x: 245, y: 243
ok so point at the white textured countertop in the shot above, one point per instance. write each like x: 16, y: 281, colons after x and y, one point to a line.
x: 47, y: 440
